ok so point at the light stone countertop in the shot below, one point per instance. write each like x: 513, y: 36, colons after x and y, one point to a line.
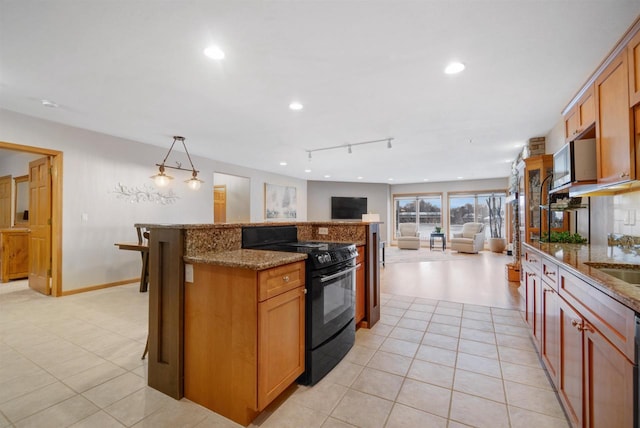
x: 574, y: 257
x: 247, y: 259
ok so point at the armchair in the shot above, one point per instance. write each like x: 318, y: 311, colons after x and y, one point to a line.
x: 470, y: 240
x: 408, y: 236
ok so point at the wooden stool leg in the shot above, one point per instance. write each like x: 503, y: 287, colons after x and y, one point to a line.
x: 144, y: 275
x: 146, y: 349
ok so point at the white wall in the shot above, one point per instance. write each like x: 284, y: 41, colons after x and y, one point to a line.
x: 93, y: 165
x: 320, y: 193
x: 238, y: 194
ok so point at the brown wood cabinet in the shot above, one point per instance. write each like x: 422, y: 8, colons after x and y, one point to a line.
x: 587, y: 344
x: 633, y: 59
x: 244, y: 337
x: 536, y: 221
x: 533, y: 292
x: 14, y: 253
x: 581, y: 116
x: 615, y: 148
x: 360, y: 288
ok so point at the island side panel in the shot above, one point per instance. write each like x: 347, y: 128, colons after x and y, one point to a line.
x: 220, y: 341
x: 166, y: 311
x: 372, y: 284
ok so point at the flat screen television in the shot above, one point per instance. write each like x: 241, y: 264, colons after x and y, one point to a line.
x: 345, y: 208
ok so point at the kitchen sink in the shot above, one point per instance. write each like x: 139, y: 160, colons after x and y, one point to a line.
x: 632, y: 276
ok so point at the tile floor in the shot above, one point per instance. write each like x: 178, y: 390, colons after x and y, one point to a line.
x: 75, y: 361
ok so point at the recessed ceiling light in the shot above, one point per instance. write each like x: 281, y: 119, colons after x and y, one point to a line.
x: 360, y: 177
x: 296, y: 106
x: 507, y: 161
x: 307, y: 170
x: 460, y: 178
x: 390, y: 179
x: 283, y: 163
x: 214, y: 52
x: 327, y: 176
x: 454, y: 68
x: 48, y: 103
x: 425, y: 179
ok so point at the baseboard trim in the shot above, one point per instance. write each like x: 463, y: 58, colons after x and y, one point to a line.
x: 98, y: 287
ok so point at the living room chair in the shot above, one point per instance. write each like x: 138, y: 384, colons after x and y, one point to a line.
x: 470, y: 240
x: 408, y: 236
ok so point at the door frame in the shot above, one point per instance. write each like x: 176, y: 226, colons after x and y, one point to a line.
x: 56, y: 208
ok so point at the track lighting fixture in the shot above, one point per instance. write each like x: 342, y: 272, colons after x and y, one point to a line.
x: 349, y: 146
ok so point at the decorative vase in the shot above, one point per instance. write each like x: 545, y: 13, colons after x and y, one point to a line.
x: 497, y: 245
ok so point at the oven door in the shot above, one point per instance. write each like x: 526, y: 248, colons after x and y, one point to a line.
x: 332, y: 302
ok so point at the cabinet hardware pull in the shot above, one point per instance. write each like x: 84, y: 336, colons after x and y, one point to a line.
x: 576, y: 324
x: 550, y: 273
x: 624, y: 174
x: 305, y: 291
x: 532, y: 260
x: 531, y: 274
x: 285, y: 278
x: 585, y: 327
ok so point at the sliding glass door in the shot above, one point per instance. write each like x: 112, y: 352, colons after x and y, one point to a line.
x: 423, y: 210
x: 472, y: 207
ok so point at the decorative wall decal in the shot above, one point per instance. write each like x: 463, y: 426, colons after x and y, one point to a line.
x: 279, y: 201
x: 144, y: 194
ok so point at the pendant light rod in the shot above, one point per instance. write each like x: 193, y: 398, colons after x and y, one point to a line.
x: 161, y: 179
x: 181, y: 139
x: 350, y: 145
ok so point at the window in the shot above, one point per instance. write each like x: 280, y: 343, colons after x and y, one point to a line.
x: 423, y: 210
x: 472, y: 207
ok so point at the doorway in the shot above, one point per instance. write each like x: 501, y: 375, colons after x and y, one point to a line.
x: 55, y: 249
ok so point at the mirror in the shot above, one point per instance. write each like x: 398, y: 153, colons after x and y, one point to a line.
x: 21, y: 202
x: 231, y: 198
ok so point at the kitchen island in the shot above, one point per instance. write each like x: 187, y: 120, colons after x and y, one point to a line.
x: 181, y: 254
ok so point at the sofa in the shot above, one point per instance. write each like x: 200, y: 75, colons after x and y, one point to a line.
x: 470, y: 240
x: 408, y: 236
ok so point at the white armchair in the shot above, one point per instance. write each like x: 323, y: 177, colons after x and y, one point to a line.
x: 470, y: 240
x: 408, y: 236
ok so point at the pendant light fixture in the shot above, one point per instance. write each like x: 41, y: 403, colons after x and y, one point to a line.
x: 162, y: 179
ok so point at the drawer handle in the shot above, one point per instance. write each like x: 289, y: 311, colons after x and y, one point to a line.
x: 550, y: 273
x: 624, y: 174
x: 531, y: 274
x: 576, y: 323
x: 285, y: 278
x: 532, y: 260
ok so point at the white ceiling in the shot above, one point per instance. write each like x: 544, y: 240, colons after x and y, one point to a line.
x: 364, y: 70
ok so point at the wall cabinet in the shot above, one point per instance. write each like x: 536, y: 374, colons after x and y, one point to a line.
x: 581, y: 116
x: 586, y: 342
x: 614, y: 131
x: 360, y: 288
x: 633, y: 59
x: 14, y: 254
x: 244, y: 337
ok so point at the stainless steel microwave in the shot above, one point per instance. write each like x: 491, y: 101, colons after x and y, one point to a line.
x: 575, y: 162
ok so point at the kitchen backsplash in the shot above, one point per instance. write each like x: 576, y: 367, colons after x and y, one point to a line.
x: 626, y: 219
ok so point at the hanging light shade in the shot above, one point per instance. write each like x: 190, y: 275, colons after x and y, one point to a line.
x: 162, y: 179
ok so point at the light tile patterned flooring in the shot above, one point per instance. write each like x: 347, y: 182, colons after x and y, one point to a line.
x: 75, y: 361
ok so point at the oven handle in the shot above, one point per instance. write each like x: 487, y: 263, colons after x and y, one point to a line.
x: 325, y: 278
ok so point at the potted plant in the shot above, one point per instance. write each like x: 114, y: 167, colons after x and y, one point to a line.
x: 437, y: 228
x: 497, y: 243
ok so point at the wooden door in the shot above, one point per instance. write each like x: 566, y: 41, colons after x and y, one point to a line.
x: 608, y: 383
x: 615, y: 151
x: 550, y: 350
x: 220, y: 203
x: 40, y: 225
x: 5, y: 201
x: 570, y: 381
x: 280, y: 343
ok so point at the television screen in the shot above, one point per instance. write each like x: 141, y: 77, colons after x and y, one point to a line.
x: 344, y: 208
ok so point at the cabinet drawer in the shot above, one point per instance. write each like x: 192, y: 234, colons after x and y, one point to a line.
x: 611, y: 318
x: 277, y: 280
x: 549, y: 273
x: 532, y: 260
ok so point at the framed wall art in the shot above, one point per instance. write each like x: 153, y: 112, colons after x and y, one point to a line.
x: 280, y: 202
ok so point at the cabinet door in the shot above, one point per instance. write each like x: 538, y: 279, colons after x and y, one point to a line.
x: 608, y: 383
x: 614, y: 145
x: 533, y: 314
x: 571, y: 363
x: 550, y: 349
x: 587, y: 111
x: 571, y: 124
x: 280, y: 343
x: 360, y: 290
x: 633, y: 57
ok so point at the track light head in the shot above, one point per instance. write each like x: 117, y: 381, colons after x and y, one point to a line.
x: 389, y: 143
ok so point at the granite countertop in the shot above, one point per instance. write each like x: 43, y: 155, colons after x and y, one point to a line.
x: 247, y: 259
x: 575, y: 257
x: 236, y: 225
